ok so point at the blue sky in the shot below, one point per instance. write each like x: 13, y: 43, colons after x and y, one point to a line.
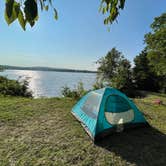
x: 79, y: 37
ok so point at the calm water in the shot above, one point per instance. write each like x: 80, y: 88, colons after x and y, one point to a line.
x: 49, y: 84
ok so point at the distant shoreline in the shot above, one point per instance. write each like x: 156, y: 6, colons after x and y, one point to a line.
x: 7, y: 67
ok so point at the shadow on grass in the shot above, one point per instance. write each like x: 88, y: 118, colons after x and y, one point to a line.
x: 142, y: 146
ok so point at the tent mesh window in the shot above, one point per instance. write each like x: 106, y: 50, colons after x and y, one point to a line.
x: 91, y: 105
x: 117, y: 104
x: 118, y: 111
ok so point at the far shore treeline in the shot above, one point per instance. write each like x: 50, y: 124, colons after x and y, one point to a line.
x: 1, y: 68
x: 38, y: 68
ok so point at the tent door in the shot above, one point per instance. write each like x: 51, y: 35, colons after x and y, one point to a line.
x: 118, y: 111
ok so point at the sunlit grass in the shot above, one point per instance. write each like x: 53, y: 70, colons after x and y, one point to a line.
x: 43, y: 132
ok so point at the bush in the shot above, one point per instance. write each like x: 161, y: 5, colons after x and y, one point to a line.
x: 14, y: 87
x: 76, y: 93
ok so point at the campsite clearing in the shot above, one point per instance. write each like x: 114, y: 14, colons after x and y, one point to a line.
x: 44, y: 132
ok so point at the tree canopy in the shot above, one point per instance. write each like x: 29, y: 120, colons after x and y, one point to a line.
x: 115, y: 71
x: 150, y: 65
x: 144, y: 77
x: 156, y: 45
x: 149, y: 72
x: 27, y: 11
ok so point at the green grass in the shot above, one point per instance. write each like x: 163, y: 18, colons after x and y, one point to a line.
x: 43, y: 132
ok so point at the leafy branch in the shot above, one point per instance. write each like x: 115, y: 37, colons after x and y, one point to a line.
x: 26, y: 11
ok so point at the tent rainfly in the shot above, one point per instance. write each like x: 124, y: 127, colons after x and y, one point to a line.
x: 107, y: 110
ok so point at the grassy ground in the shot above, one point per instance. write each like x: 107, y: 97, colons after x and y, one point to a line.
x: 43, y: 132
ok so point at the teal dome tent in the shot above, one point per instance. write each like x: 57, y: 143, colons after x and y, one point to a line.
x: 106, y: 110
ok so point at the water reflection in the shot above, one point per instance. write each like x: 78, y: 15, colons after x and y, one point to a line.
x: 34, y: 78
x: 49, y: 84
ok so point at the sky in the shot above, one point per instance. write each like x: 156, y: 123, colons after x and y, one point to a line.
x: 79, y: 37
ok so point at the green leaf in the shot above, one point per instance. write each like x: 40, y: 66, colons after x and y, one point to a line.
x: 108, y: 1
x: 104, y: 10
x: 122, y: 3
x: 105, y: 21
x: 112, y: 8
x: 31, y: 11
x: 115, y: 2
x: 55, y: 14
x: 11, y: 11
x: 32, y: 23
x: 21, y: 20
x: 9, y: 8
x: 16, y: 9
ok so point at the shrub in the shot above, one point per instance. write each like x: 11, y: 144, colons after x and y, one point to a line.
x: 76, y: 93
x: 98, y: 84
x: 14, y: 87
